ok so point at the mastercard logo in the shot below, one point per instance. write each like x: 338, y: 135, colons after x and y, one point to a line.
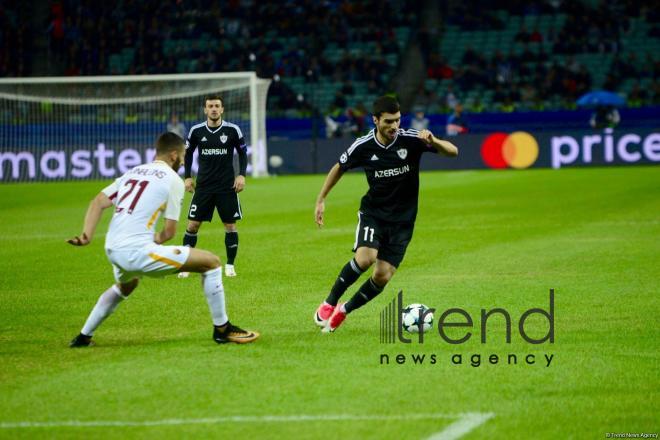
x: 516, y: 150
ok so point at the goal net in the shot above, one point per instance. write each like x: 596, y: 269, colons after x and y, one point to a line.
x: 100, y: 127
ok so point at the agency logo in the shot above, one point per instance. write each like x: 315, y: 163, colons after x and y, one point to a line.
x: 516, y: 150
x: 456, y: 326
x: 392, y: 329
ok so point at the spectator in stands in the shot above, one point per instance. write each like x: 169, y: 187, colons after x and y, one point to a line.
x: 522, y: 36
x: 438, y: 68
x: 536, y: 36
x: 338, y: 104
x: 476, y: 106
x: 456, y: 123
x: 605, y: 116
x: 357, y: 118
x: 655, y: 87
x: 332, y: 128
x: 55, y: 30
x: 176, y: 126
x: 347, y: 88
x: 507, y: 105
x: 527, y: 96
x: 637, y: 96
x: 419, y: 122
x: 450, y: 98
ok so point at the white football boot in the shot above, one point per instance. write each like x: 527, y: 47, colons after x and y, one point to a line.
x: 229, y: 270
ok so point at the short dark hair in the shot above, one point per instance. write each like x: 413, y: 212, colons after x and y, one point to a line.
x: 214, y: 98
x: 167, y: 142
x: 385, y: 104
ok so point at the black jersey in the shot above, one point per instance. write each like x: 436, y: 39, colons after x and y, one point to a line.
x: 216, y: 156
x: 392, y: 173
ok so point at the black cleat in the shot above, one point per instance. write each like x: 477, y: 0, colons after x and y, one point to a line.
x: 231, y: 333
x: 81, y: 341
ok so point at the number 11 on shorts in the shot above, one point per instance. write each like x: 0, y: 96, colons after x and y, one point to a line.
x: 368, y: 234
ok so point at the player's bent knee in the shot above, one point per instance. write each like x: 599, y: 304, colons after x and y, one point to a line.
x: 230, y: 227
x: 364, y: 263
x: 128, y: 288
x: 382, y: 278
x: 200, y: 261
x: 214, y: 261
x: 193, y: 227
x: 383, y: 273
x: 365, y: 259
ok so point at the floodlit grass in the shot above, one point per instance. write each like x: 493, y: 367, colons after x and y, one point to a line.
x: 483, y: 239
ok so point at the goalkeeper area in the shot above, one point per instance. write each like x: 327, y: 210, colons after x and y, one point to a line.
x: 483, y: 239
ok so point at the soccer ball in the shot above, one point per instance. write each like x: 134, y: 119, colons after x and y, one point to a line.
x: 411, y: 315
x: 275, y: 161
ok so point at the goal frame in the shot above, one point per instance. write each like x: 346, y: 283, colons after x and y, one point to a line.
x: 258, y: 138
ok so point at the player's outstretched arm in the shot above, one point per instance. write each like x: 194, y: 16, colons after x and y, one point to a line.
x: 92, y: 218
x: 441, y: 145
x: 330, y: 181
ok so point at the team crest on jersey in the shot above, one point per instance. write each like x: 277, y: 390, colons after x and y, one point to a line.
x: 402, y: 152
x: 343, y: 158
x: 223, y: 138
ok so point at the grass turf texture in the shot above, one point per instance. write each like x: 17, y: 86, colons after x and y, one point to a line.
x: 483, y: 240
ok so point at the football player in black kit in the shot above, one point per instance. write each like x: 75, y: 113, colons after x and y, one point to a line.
x: 217, y: 187
x: 390, y: 157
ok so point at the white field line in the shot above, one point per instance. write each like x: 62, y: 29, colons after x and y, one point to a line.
x: 465, y: 424
x: 467, y: 421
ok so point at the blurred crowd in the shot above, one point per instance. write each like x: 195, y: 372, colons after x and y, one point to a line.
x: 543, y: 67
x: 276, y: 39
x: 289, y: 39
x: 15, y: 38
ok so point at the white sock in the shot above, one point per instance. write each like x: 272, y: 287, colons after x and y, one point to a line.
x: 107, y: 303
x: 215, y: 295
x: 343, y: 308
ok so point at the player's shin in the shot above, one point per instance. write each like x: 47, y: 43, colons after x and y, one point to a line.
x: 348, y: 275
x: 231, y: 245
x: 190, y: 239
x: 107, y: 303
x: 368, y: 291
x: 215, y: 295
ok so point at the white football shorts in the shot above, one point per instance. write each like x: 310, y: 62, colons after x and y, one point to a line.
x: 153, y: 260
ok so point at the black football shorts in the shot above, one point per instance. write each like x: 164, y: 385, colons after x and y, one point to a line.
x: 227, y: 205
x: 391, y: 239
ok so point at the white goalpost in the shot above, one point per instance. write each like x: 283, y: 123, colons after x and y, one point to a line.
x: 67, y: 128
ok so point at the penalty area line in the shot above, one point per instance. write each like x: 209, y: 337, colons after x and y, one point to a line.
x: 465, y: 421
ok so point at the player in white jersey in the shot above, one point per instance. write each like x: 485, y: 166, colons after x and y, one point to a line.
x: 134, y: 249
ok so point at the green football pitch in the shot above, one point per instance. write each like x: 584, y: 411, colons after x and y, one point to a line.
x: 483, y: 240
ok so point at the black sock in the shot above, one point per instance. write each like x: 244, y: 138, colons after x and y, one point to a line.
x: 348, y: 275
x: 231, y: 244
x: 190, y: 239
x: 368, y: 291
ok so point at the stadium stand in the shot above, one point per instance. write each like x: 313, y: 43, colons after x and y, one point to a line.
x: 330, y: 56
x: 347, y: 63
x: 507, y: 56
x: 15, y: 39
